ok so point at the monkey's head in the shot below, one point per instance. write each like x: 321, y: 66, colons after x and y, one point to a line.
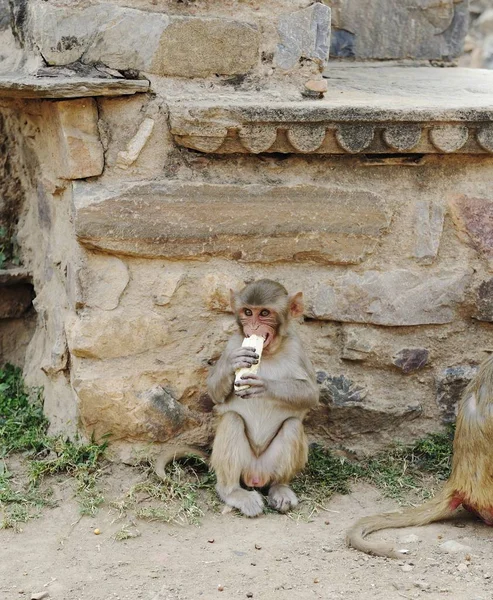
x: 264, y: 308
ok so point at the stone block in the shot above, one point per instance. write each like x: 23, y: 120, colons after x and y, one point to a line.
x: 484, y: 301
x: 113, y: 334
x: 103, y: 281
x: 199, y: 47
x: 126, y: 409
x: 72, y: 127
x: 103, y: 33
x: 451, y: 384
x: 474, y: 217
x: 113, y: 35
x: 252, y: 223
x: 304, y: 34
x: 396, y: 297
x: 400, y: 29
x: 358, y: 343
x: 411, y: 359
x: 428, y: 228
x: 15, y: 300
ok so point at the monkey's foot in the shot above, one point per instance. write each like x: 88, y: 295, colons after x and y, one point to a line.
x: 251, y: 504
x: 282, y: 498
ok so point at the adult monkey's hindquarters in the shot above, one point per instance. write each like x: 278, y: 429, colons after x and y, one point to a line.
x: 470, y: 483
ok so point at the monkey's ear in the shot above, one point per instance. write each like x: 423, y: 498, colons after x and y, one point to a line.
x: 296, y: 307
x: 232, y: 300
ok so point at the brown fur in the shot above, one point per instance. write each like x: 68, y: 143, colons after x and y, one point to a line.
x: 260, y: 438
x: 471, y: 480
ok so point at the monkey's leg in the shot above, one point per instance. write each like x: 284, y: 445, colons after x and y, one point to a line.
x: 231, y: 454
x: 286, y: 455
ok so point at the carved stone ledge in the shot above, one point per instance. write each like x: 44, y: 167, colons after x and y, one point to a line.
x: 342, y: 138
x: 366, y: 110
x: 29, y: 86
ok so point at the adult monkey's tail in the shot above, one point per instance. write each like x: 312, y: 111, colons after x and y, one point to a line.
x: 188, y: 443
x: 440, y: 507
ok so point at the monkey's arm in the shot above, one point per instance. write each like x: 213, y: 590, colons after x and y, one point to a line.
x: 299, y: 389
x: 221, y: 378
x: 298, y: 392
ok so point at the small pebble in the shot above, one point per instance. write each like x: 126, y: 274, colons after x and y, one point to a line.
x: 258, y: 547
x: 406, y: 568
x: 97, y: 531
x: 211, y: 540
x: 220, y: 588
x: 452, y: 546
x: 316, y: 580
x: 249, y: 595
x: 317, y: 85
x: 327, y: 522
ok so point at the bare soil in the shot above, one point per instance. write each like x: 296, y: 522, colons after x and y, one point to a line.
x: 229, y: 556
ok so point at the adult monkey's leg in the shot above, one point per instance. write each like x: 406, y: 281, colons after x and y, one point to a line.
x: 231, y: 455
x: 286, y: 456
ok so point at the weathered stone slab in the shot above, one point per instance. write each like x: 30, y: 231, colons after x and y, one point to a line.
x: 395, y: 297
x: 113, y: 35
x: 304, y: 34
x: 474, y: 216
x: 252, y: 223
x: 79, y: 148
x: 411, y: 359
x: 428, y: 227
x: 111, y: 334
x: 407, y: 29
x: 26, y: 86
x: 451, y: 384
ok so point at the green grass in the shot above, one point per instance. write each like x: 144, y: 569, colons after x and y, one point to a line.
x: 24, y: 429
x: 181, y: 498
x: 188, y: 489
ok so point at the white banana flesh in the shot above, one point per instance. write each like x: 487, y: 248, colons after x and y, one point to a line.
x: 254, y: 341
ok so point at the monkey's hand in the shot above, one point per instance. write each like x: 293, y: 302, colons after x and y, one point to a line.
x: 256, y: 386
x: 243, y: 358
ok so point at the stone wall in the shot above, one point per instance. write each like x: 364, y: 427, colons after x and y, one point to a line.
x: 142, y: 209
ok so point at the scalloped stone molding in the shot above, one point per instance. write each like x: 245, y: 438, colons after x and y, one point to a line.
x: 341, y: 138
x: 372, y: 109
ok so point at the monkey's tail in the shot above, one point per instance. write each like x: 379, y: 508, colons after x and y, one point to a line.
x: 174, y: 452
x: 436, y: 509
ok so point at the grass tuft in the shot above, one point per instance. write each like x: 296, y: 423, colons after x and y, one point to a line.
x: 181, y: 498
x: 23, y: 428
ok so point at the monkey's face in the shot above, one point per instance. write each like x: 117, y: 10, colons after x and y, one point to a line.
x: 259, y: 320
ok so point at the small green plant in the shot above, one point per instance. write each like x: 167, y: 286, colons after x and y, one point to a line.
x: 23, y: 428
x: 23, y: 425
x: 8, y: 248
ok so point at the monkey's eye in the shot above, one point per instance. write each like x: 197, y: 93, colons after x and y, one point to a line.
x: 265, y: 313
x: 248, y: 312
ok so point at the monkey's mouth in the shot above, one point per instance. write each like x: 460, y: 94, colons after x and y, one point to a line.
x: 267, y: 339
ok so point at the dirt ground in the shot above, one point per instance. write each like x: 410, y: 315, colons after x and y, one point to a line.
x: 274, y: 557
